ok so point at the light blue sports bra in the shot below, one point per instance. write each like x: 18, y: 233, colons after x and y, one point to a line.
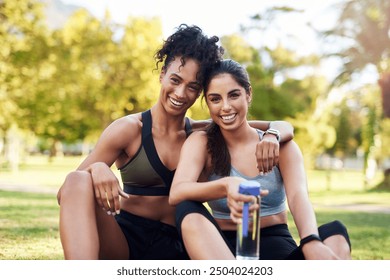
x: 273, y: 203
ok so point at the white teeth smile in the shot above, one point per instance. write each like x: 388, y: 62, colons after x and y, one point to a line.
x: 175, y: 102
x: 228, y: 117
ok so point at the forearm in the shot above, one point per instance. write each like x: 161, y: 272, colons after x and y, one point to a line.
x: 304, y: 216
x: 285, y: 128
x: 198, y: 191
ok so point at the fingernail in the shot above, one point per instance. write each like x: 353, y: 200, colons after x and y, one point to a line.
x: 108, y: 212
x: 118, y: 212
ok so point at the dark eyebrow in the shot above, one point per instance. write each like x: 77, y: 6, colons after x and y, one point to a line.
x: 180, y: 78
x: 177, y: 76
x: 213, y: 94
x: 234, y: 90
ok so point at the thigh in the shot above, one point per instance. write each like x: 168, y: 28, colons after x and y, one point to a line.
x: 276, y: 243
x: 149, y: 239
x: 113, y: 243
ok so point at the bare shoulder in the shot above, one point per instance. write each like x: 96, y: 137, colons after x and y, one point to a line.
x: 123, y: 130
x: 198, y: 136
x: 127, y: 124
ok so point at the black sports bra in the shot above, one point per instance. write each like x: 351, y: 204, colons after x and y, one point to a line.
x: 145, y: 174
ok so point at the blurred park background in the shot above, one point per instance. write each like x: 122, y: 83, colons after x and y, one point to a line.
x: 61, y: 85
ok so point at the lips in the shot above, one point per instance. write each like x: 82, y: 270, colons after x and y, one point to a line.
x: 176, y: 102
x: 227, y: 118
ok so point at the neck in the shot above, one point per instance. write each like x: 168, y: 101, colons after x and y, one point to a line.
x: 163, y: 120
x: 242, y: 135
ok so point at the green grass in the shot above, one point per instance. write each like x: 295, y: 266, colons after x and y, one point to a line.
x: 29, y: 226
x: 369, y: 232
x: 29, y: 221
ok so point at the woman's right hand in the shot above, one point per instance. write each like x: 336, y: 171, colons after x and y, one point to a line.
x: 235, y: 200
x: 106, y: 187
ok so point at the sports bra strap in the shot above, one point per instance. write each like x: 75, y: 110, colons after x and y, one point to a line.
x: 151, y: 152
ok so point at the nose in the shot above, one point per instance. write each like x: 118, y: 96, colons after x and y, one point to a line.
x: 226, y: 105
x: 180, y: 92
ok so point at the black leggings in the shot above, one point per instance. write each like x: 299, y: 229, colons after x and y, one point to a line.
x: 276, y: 242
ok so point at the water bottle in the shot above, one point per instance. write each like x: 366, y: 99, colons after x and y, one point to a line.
x: 248, y: 232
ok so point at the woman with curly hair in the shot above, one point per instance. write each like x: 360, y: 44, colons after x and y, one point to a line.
x: 95, y: 223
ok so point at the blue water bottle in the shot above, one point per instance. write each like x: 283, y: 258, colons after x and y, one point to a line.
x: 248, y: 232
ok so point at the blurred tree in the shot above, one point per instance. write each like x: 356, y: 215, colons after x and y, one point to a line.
x: 384, y: 83
x: 23, y: 48
x: 362, y: 30
x: 348, y: 127
x: 92, y: 76
x: 285, y: 85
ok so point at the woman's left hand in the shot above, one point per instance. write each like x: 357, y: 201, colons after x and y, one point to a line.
x: 267, y: 153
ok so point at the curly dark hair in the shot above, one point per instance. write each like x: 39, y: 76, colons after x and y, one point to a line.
x: 189, y: 42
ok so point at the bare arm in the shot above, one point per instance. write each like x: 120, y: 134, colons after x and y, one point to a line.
x: 111, y: 145
x: 285, y: 128
x: 295, y: 181
x: 193, y: 161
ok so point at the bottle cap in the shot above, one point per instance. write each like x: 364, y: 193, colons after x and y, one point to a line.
x: 249, y: 188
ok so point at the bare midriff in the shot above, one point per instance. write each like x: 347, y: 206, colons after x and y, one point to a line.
x: 151, y: 207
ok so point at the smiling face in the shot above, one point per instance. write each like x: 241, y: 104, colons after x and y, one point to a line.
x: 228, y: 101
x: 179, y: 86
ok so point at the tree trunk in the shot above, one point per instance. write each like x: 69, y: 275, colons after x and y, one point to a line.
x: 384, y: 83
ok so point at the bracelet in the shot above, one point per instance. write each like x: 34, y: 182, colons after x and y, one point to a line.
x: 309, y: 238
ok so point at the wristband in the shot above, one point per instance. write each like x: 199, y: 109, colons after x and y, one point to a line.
x: 309, y: 238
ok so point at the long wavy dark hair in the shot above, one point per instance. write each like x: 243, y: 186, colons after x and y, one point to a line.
x: 189, y: 42
x: 216, y: 145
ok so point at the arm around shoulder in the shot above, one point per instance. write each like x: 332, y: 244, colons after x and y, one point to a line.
x: 285, y: 131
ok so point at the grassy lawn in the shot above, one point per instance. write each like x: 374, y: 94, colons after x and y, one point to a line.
x: 29, y: 221
x: 29, y: 226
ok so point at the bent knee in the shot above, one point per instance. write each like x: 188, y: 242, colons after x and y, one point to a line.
x: 76, y: 183
x: 193, y: 221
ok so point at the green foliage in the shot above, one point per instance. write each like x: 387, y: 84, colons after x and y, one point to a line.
x: 22, y: 36
x: 70, y: 83
x: 237, y: 49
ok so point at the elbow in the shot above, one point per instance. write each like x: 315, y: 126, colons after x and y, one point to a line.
x: 174, y: 198
x: 172, y: 201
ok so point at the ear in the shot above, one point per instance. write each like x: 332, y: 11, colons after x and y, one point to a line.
x: 249, y: 95
x: 162, y: 73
